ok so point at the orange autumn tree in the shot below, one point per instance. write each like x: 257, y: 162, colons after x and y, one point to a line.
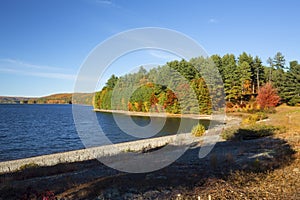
x: 267, y: 96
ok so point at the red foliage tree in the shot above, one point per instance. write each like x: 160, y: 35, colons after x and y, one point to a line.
x: 129, y: 105
x: 171, y: 97
x: 267, y: 96
x: 153, y: 100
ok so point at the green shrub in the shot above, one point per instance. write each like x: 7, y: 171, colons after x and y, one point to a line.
x: 198, y: 130
x: 229, y: 133
x: 249, y: 120
x: 253, y: 118
x: 262, y: 115
x: 28, y: 166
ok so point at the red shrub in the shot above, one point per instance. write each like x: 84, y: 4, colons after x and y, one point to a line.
x: 267, y: 97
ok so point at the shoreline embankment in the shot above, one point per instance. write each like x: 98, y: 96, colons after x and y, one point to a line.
x: 111, y: 149
x: 96, y: 152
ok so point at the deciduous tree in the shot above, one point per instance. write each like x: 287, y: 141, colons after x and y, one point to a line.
x: 267, y: 97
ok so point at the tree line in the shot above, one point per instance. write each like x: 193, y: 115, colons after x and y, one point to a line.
x: 195, y: 86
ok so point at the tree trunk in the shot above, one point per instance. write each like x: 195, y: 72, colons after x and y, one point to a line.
x: 257, y: 78
x: 270, y: 76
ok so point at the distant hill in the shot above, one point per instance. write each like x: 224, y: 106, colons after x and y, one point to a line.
x: 64, y: 98
x: 12, y: 100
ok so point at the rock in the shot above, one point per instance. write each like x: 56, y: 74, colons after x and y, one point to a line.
x: 155, y: 177
x: 296, y: 170
x: 100, y: 197
x: 129, y: 195
x: 112, y: 193
x: 151, y: 194
x: 149, y: 176
x: 162, y: 177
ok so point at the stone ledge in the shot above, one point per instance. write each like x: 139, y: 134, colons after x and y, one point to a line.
x: 91, y: 153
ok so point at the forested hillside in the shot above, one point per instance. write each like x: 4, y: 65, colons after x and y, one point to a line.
x: 184, y: 88
x: 63, y: 98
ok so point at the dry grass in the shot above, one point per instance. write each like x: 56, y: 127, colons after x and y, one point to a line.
x: 281, y: 183
x: 288, y: 117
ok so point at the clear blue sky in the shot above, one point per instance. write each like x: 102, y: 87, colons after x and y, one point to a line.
x: 43, y: 43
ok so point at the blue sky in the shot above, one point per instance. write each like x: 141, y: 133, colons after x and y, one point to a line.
x: 44, y: 43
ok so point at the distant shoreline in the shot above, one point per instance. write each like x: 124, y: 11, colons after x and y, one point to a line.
x: 60, y: 98
x: 152, y: 114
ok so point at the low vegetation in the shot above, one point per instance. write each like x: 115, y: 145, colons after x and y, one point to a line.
x: 249, y: 132
x: 198, y: 130
x: 253, y: 118
x: 28, y: 166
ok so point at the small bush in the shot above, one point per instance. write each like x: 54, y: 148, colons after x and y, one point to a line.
x: 229, y: 133
x: 128, y: 150
x: 28, y: 166
x: 262, y: 115
x: 254, y: 118
x: 198, y: 130
x: 267, y: 97
x: 250, y: 120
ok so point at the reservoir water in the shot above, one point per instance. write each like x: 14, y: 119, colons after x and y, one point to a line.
x: 32, y: 130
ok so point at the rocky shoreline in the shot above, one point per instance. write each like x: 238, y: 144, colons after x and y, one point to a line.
x: 96, y: 152
x: 111, y: 149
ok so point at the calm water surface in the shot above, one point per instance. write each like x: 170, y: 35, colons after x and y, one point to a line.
x: 32, y: 130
